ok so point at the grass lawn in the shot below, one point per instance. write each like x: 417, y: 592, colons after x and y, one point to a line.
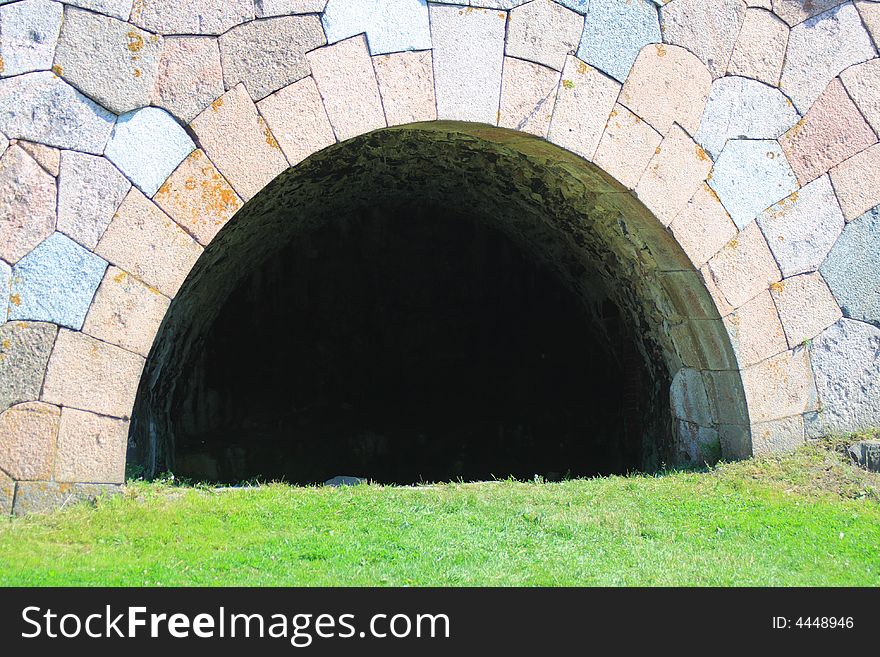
x: 808, y: 518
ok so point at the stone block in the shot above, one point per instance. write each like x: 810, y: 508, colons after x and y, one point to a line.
x: 27, y: 204
x: 251, y: 160
x: 760, y: 48
x: 697, y: 444
x: 468, y: 53
x: 819, y: 49
x: 866, y: 454
x: 41, y: 107
x: 726, y: 395
x: 626, y: 146
x: 780, y: 387
x: 802, y: 228
x: 198, y: 197
x: 750, y: 176
x: 190, y: 76
x: 390, y: 25
x: 406, y: 84
x: 844, y: 358
x: 708, y: 28
x: 347, y: 83
x: 266, y: 55
x: 584, y: 101
x: 91, y: 375
x: 28, y: 34
x: 91, y: 448
x: 192, y: 16
x: 852, y: 269
x: 126, y: 312
x: 27, y: 440
x: 297, y: 119
x: 721, y: 302
x: 90, y: 190
x: 806, y: 307
x: 24, y: 353
x: 44, y: 496
x: 702, y: 343
x: 736, y: 441
x: 675, y: 173
x: 739, y: 108
x: 147, y: 145
x: 755, y: 330
x: 112, y: 62
x: 831, y: 131
x: 543, y: 32
x: 862, y: 83
x: 667, y: 85
x: 703, y: 226
x: 143, y: 240
x: 55, y: 282
x: 856, y: 182
x: 688, y: 295
x: 744, y: 267
x: 778, y: 436
x: 615, y: 32
x: 688, y: 397
x: 528, y: 95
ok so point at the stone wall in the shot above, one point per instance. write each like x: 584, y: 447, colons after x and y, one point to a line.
x: 742, y: 135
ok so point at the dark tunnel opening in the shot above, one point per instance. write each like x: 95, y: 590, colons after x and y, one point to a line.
x: 437, y: 302
x: 408, y: 343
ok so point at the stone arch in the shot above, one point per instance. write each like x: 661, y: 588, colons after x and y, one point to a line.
x: 127, y: 169
x: 567, y: 213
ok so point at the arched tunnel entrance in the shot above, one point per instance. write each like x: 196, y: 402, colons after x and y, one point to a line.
x: 435, y: 302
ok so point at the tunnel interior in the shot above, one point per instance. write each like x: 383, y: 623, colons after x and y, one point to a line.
x: 406, y: 343
x: 416, y: 306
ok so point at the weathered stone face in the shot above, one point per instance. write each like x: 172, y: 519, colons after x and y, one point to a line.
x: 853, y: 270
x: 27, y: 204
x: 90, y: 189
x: 844, y: 358
x: 28, y: 34
x: 584, y: 100
x: 28, y: 434
x: 190, y: 76
x: 56, y: 282
x: 88, y: 374
x: 802, y: 228
x: 147, y: 145
x: 110, y: 61
x: 42, y: 496
x: 615, y: 32
x: 24, y: 353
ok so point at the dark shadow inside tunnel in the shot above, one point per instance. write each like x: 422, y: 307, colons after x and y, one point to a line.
x: 407, y: 343
x: 434, y: 302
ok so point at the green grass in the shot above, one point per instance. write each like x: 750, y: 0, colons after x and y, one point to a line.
x: 805, y: 519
